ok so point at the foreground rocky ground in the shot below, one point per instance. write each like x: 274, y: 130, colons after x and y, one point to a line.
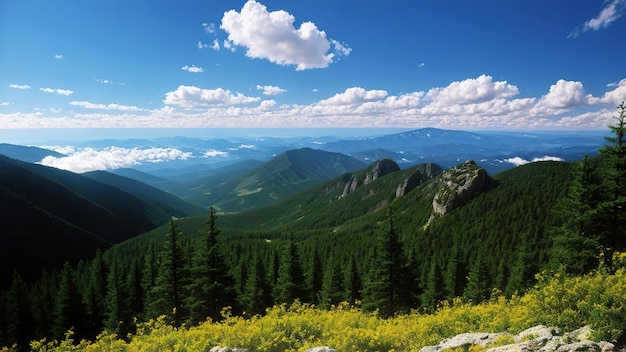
x: 538, y: 338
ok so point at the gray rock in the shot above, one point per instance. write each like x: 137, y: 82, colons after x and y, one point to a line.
x: 320, y: 349
x: 227, y: 349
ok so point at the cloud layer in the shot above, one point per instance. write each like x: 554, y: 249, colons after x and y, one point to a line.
x: 81, y: 160
x: 273, y: 36
x: 612, y: 11
x: 472, y: 103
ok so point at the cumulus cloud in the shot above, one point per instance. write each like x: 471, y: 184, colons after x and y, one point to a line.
x: 194, y: 97
x: 613, y: 10
x: 216, y: 45
x: 19, y: 86
x: 617, y: 95
x: 472, y: 90
x: 517, y: 161
x: 112, y: 106
x: 271, y: 90
x: 192, y: 68
x: 81, y: 160
x: 355, y: 95
x: 565, y: 94
x: 58, y: 91
x: 272, y: 36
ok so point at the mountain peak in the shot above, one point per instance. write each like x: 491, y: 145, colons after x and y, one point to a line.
x: 378, y: 169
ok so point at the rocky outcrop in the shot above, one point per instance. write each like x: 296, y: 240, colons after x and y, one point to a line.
x: 538, y: 338
x: 227, y: 349
x: 422, y: 173
x: 458, y: 185
x: 382, y: 167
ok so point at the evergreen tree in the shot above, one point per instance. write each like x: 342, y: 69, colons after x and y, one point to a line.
x: 167, y: 295
x: 614, y: 208
x: 148, y: 278
x: 257, y: 294
x: 451, y: 276
x: 314, y: 277
x: 116, y: 313
x: 69, y: 310
x: 43, y: 296
x: 353, y: 282
x: 211, y: 287
x: 95, y: 292
x: 18, y: 316
x: 387, y: 287
x: 332, y: 291
x: 135, y: 293
x: 434, y: 290
x: 290, y: 279
x: 478, y: 288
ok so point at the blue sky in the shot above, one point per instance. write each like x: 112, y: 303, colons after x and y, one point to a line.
x: 471, y: 65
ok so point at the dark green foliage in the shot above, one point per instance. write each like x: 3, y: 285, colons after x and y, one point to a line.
x: 257, y: 294
x: 19, y: 317
x: 332, y: 290
x: 69, y: 312
x: 290, y: 282
x: 478, y: 282
x: 434, y: 290
x: 353, y: 282
x: 167, y: 295
x: 95, y: 293
x: 211, y: 288
x: 387, y: 286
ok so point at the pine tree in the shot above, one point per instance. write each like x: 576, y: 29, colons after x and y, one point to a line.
x: 115, y: 303
x: 614, y: 208
x: 69, y: 310
x: 19, y: 316
x: 434, y: 290
x: 451, y: 275
x: 388, y: 287
x: 135, y: 293
x: 353, y: 282
x: 211, y: 287
x: 148, y: 278
x: 290, y: 279
x: 95, y: 293
x: 477, y: 288
x: 314, y: 277
x: 332, y: 291
x: 257, y: 294
x: 167, y: 295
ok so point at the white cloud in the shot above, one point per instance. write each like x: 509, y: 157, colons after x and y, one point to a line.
x: 272, y: 36
x: 88, y: 105
x: 58, y: 91
x: 229, y: 46
x: 355, y: 95
x: 271, y: 90
x: 4, y: 103
x: 192, y: 68
x: 617, y: 95
x: 202, y: 45
x: 194, y: 97
x: 421, y: 65
x: 58, y: 56
x: 19, y: 86
x: 517, y: 161
x: 209, y: 27
x: 472, y: 90
x: 89, y: 159
x: 108, y: 81
x: 212, y: 153
x: 216, y: 45
x: 613, y: 10
x: 565, y: 94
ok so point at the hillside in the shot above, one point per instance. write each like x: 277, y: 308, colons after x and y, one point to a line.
x: 25, y: 153
x: 54, y: 216
x: 277, y: 179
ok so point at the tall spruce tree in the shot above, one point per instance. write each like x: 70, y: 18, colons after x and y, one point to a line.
x: 95, y: 293
x: 614, y: 208
x: 353, y: 282
x: 257, y: 293
x: 211, y: 288
x: 69, y: 310
x: 290, y: 281
x: 116, y: 313
x: 387, y: 287
x: 168, y: 295
x: 18, y: 316
x: 332, y: 291
x: 478, y: 283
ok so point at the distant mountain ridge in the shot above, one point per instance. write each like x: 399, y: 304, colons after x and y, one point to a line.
x: 283, y: 176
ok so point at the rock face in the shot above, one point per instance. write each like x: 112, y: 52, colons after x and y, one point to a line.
x: 458, y: 185
x: 422, y: 173
x: 381, y: 168
x: 538, y: 338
